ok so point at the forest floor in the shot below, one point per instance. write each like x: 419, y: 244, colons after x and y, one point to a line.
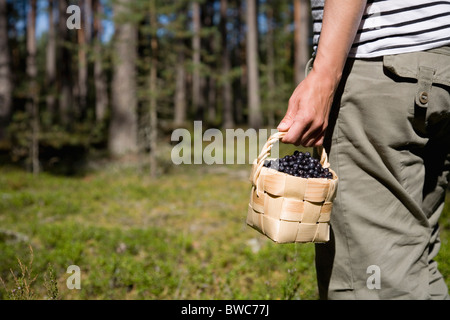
x: 179, y: 236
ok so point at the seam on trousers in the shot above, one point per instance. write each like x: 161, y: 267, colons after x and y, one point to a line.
x: 403, y: 178
x: 343, y: 207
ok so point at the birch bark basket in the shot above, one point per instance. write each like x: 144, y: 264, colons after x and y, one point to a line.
x: 290, y: 209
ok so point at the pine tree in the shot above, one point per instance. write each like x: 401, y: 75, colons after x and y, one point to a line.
x: 6, y: 84
x: 32, y: 106
x: 254, y: 103
x: 124, y: 121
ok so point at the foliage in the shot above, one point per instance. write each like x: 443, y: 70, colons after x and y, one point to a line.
x: 22, y: 289
x: 174, y: 33
x: 180, y: 236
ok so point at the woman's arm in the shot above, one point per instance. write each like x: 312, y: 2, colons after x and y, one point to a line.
x: 309, y: 106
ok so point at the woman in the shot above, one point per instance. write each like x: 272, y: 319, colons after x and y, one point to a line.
x: 378, y: 98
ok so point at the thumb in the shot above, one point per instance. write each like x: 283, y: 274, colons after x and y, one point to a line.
x: 288, y: 119
x: 285, y: 124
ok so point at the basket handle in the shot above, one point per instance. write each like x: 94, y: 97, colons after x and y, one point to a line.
x: 265, y: 152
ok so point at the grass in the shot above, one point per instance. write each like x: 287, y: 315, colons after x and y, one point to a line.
x: 180, y: 236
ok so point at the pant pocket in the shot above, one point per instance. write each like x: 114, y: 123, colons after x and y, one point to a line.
x: 430, y: 107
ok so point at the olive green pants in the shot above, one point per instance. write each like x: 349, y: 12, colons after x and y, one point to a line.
x: 389, y: 143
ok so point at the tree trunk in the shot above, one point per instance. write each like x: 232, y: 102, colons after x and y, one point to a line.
x: 180, y: 99
x: 88, y: 19
x: 32, y: 101
x: 180, y: 91
x: 6, y: 85
x: 255, y: 117
x: 65, y: 71
x: 84, y: 38
x: 153, y: 92
x: 197, y: 97
x: 228, y: 117
x: 301, y: 34
x: 210, y: 45
x: 50, y: 66
x: 212, y: 100
x: 240, y: 59
x: 82, y: 70
x: 101, y: 90
x: 270, y: 66
x: 123, y: 126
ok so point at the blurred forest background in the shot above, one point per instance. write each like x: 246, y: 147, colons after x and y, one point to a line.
x: 135, y: 70
x: 86, y: 178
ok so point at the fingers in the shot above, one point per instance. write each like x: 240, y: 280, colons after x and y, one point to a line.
x: 295, y: 132
x: 315, y: 136
x: 305, y: 121
x: 305, y: 133
x: 303, y: 128
x: 316, y: 141
x: 291, y: 123
x: 292, y: 111
x: 285, y: 124
x: 288, y: 119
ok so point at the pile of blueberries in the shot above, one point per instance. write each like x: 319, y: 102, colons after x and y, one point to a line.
x: 301, y: 165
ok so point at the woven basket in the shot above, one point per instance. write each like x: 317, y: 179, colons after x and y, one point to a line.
x: 290, y: 209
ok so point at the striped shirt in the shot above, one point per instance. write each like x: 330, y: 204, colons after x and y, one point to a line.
x: 394, y: 26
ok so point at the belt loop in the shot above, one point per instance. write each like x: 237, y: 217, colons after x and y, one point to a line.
x: 425, y: 83
x: 388, y: 62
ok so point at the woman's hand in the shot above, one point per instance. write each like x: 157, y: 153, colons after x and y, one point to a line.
x: 309, y: 107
